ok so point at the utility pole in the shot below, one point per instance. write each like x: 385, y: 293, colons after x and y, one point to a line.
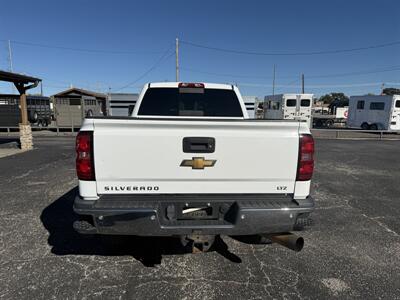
x: 10, y: 56
x: 302, y: 83
x: 273, y: 81
x: 109, y: 102
x: 177, y: 58
x: 10, y: 62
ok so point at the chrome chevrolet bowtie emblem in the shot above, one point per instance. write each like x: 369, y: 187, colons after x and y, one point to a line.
x: 198, y: 163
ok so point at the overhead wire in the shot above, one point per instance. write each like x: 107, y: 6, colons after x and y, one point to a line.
x: 164, y: 57
x: 281, y: 53
x: 228, y: 75
x: 379, y: 70
x: 81, y: 49
x: 374, y: 71
x: 322, y: 85
x: 290, y: 84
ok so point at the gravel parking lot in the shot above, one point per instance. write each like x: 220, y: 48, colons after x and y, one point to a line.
x: 352, y: 251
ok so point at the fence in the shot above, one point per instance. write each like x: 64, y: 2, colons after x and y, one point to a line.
x: 355, y: 134
x: 9, y: 130
x: 74, y: 125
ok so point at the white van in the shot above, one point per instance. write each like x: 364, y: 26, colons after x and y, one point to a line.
x: 289, y: 107
x: 381, y: 112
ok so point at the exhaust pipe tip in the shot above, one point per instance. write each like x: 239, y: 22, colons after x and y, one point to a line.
x: 288, y: 240
x: 299, y: 244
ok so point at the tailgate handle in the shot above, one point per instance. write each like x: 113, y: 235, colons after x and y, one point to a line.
x: 198, y: 144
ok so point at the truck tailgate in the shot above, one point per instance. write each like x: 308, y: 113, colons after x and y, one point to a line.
x: 146, y: 156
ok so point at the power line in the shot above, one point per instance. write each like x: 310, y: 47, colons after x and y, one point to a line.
x: 229, y: 75
x: 293, y: 82
x: 290, y: 84
x: 292, y: 53
x: 379, y: 70
x: 322, y: 86
x: 165, y: 56
x: 82, y: 49
x: 56, y: 86
x: 55, y: 81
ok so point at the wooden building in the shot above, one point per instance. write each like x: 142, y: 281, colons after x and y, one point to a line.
x: 73, y: 105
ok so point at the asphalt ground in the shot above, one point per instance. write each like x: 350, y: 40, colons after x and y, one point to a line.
x: 351, y: 251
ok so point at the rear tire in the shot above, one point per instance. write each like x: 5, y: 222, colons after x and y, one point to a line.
x: 319, y: 123
x: 329, y: 123
x: 364, y: 126
x: 33, y: 117
x: 373, y: 127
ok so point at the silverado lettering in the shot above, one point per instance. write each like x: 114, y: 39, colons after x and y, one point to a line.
x: 130, y: 188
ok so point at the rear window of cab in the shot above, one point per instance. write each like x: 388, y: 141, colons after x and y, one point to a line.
x: 195, y: 102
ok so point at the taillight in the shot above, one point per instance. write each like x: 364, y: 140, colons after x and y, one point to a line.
x: 305, y: 166
x: 84, y: 155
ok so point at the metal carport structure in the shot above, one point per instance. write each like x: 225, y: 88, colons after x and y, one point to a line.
x: 22, y: 83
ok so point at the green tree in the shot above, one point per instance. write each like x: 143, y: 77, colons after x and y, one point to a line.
x: 329, y: 98
x: 391, y: 91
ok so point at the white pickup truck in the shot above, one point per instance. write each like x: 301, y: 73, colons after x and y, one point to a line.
x: 190, y: 163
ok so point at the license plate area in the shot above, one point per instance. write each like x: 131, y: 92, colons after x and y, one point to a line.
x: 196, y: 210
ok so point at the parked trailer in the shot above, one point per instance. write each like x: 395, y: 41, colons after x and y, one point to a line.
x: 73, y: 105
x: 250, y: 102
x: 38, y: 107
x: 328, y: 120
x: 121, y: 104
x: 380, y: 112
x: 335, y: 117
x: 289, y: 107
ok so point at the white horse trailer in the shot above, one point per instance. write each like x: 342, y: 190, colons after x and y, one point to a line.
x: 250, y: 103
x: 289, y: 107
x: 381, y: 112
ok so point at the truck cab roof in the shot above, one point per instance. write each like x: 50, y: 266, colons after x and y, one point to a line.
x: 207, y: 85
